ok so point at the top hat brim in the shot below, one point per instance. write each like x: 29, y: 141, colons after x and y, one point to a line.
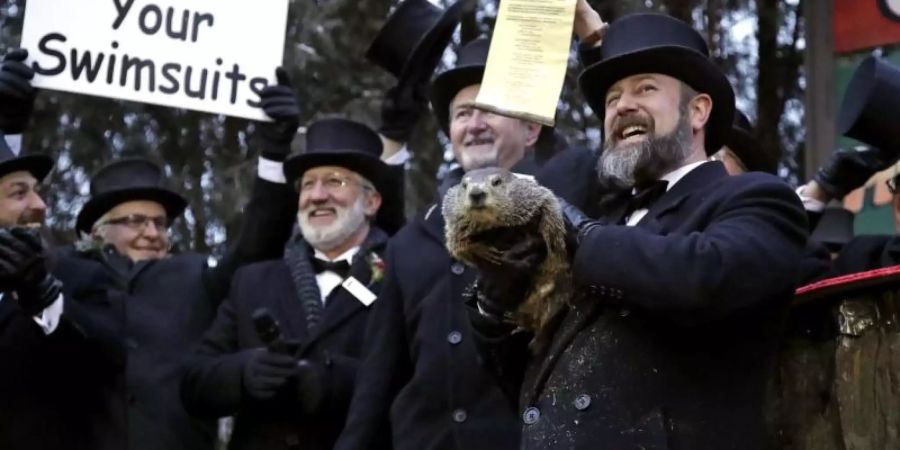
x: 754, y: 157
x: 447, y: 85
x: 390, y: 216
x: 37, y: 165
x: 682, y: 63
x: 428, y: 50
x: 100, y: 204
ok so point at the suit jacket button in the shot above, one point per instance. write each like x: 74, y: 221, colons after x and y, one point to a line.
x: 457, y: 268
x: 455, y: 337
x: 582, y: 402
x: 459, y: 415
x: 531, y: 416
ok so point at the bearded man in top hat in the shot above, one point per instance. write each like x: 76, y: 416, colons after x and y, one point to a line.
x: 296, y: 391
x: 682, y: 280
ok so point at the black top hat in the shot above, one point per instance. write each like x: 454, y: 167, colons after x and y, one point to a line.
x: 742, y: 141
x: 871, y: 105
x: 352, y: 145
x: 38, y: 165
x: 415, y: 36
x: 656, y: 43
x: 834, y: 229
x: 470, y: 64
x: 469, y: 70
x: 124, y: 181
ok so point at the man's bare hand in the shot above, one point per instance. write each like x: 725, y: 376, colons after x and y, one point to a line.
x: 587, y: 21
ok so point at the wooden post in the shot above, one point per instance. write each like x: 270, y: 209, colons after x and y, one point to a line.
x: 820, y: 102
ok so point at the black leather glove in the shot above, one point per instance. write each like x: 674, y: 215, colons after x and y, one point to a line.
x: 402, y: 108
x: 266, y: 372
x: 16, y: 93
x: 309, y: 377
x: 503, y: 287
x: 280, y: 103
x: 577, y: 224
x: 847, y: 170
x: 23, y: 265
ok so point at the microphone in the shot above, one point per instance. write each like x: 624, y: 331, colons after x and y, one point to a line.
x: 269, y: 332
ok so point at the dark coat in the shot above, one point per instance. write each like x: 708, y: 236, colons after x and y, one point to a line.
x: 424, y: 382
x: 212, y: 385
x: 864, y: 253
x: 670, y: 340
x: 140, y: 320
x: 49, y: 398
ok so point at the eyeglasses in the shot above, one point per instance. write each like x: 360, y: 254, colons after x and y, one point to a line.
x: 332, y: 183
x: 137, y: 222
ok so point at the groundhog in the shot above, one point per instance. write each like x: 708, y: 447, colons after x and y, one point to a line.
x: 490, y: 211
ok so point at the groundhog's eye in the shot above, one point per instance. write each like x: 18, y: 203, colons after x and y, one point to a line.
x: 465, y: 184
x: 496, y: 181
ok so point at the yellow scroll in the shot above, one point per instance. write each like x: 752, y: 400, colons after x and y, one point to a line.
x: 527, y: 62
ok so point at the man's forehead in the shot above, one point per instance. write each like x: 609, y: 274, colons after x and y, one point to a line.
x: 21, y: 176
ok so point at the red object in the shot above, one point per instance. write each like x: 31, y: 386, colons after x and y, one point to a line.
x: 864, y: 24
x: 848, y: 284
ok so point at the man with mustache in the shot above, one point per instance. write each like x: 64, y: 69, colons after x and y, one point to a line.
x: 296, y: 390
x: 683, y: 279
x: 424, y: 386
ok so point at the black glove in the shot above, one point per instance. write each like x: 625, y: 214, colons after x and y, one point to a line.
x: 309, y: 377
x: 503, y: 287
x: 402, y: 108
x: 280, y: 103
x: 23, y: 264
x: 847, y: 170
x: 266, y: 372
x: 16, y: 93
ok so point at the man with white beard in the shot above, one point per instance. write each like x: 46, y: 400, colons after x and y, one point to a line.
x: 293, y: 386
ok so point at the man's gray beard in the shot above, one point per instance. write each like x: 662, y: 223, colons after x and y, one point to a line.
x: 348, y: 222
x: 621, y: 167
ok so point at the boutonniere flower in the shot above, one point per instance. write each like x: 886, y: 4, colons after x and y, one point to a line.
x: 376, y: 268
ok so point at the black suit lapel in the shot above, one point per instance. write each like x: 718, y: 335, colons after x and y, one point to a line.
x: 433, y: 223
x: 341, y: 304
x: 292, y: 314
x: 696, y: 180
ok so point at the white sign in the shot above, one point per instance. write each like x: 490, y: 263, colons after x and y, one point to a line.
x: 207, y: 55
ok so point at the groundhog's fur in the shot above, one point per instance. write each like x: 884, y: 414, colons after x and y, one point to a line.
x: 478, y: 229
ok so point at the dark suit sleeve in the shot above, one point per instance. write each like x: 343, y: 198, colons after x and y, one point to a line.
x: 212, y: 385
x: 748, y: 254
x: 385, y: 369
x: 265, y: 227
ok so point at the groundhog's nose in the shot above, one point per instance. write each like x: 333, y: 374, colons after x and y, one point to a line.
x: 477, y: 196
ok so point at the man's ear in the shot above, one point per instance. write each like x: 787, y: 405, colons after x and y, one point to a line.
x: 700, y: 109
x: 373, y: 202
x: 533, y: 131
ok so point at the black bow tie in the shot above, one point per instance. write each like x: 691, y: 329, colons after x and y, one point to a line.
x: 341, y: 267
x: 647, y: 194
